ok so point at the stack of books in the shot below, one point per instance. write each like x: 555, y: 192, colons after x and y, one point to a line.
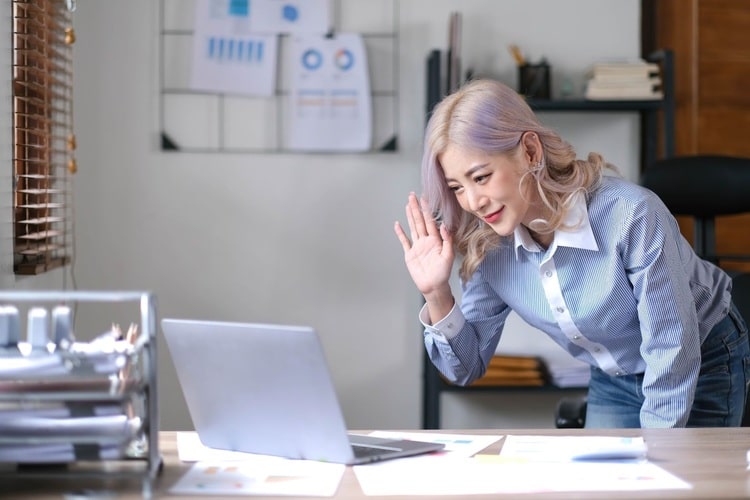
x: 512, y: 371
x: 616, y: 81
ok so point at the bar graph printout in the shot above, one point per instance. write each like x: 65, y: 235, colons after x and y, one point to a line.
x: 228, y: 55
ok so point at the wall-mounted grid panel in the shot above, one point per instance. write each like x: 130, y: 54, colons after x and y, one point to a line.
x: 199, y: 121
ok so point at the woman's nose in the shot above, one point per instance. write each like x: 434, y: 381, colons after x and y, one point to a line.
x: 475, y: 199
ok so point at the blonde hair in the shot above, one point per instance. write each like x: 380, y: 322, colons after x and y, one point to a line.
x: 488, y: 116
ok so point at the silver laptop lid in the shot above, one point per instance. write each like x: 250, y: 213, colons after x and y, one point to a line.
x: 258, y: 388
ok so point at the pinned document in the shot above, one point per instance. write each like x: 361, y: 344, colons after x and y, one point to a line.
x: 228, y: 55
x: 330, y: 102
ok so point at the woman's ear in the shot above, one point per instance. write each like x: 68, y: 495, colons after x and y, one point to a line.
x: 532, y: 147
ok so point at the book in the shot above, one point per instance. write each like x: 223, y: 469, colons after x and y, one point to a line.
x: 504, y: 361
x: 508, y: 382
x: 625, y: 87
x: 595, y: 93
x: 637, y: 68
x: 512, y: 371
x: 651, y: 83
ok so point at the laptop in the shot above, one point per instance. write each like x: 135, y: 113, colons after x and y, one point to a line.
x: 266, y: 389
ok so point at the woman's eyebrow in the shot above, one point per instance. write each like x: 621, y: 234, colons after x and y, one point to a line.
x: 469, y: 172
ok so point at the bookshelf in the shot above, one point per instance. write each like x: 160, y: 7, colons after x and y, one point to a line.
x: 657, y: 140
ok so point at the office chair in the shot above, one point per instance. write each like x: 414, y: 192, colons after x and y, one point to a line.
x: 703, y: 187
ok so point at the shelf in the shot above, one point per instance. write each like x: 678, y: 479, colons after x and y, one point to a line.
x: 586, y: 105
x: 509, y: 388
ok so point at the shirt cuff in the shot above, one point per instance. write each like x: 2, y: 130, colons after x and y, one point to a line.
x: 446, y: 328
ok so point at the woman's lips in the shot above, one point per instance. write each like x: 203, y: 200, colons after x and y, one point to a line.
x: 493, y: 217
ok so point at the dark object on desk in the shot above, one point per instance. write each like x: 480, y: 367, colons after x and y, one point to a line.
x: 703, y: 187
x: 534, y: 80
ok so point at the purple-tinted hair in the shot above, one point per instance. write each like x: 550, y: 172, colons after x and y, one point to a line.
x: 489, y: 117
x: 483, y: 115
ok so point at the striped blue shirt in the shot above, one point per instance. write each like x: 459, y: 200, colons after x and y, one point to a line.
x: 623, y: 291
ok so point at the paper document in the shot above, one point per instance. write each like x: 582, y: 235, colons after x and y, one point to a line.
x: 330, y: 105
x: 523, y: 468
x: 290, y: 16
x: 54, y: 453
x: 220, y: 472
x: 228, y: 55
x: 569, y: 448
x: 288, y: 477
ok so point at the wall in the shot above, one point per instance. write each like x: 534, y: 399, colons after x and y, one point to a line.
x: 302, y: 238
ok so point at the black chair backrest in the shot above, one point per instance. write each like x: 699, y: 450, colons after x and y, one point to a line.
x: 701, y: 186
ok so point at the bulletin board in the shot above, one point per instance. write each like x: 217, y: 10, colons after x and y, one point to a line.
x: 205, y: 122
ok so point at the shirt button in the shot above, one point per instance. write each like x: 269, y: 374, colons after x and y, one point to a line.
x: 576, y: 337
x: 548, y: 274
x: 560, y: 309
x: 596, y: 349
x: 618, y: 373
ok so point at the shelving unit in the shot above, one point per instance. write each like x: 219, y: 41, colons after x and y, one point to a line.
x: 649, y: 111
x: 74, y: 409
x: 651, y: 144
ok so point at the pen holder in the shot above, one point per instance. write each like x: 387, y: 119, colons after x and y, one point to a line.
x: 534, y: 80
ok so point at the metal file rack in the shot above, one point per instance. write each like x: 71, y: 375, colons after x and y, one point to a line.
x: 91, y: 410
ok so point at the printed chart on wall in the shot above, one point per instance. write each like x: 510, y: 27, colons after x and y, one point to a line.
x: 278, y: 76
x: 330, y: 100
x: 235, y: 42
x: 227, y: 55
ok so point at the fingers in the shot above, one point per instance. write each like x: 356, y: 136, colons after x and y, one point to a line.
x: 415, y: 218
x: 420, y: 219
x: 447, y: 240
x: 405, y: 242
x: 429, y: 219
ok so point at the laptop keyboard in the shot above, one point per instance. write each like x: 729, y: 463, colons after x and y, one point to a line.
x: 361, y: 451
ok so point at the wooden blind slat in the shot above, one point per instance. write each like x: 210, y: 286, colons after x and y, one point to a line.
x: 42, y: 121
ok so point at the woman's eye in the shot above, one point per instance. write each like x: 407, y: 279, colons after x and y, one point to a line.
x: 455, y: 189
x: 481, y: 178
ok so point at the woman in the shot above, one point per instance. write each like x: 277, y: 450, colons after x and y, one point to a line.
x: 594, y: 261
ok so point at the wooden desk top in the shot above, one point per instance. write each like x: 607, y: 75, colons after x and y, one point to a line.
x: 714, y: 461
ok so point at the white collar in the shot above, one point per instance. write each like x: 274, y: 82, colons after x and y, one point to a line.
x: 579, y: 236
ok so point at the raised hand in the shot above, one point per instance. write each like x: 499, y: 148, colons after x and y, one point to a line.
x: 428, y: 252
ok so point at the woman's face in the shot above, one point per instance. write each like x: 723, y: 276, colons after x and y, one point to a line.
x: 488, y: 186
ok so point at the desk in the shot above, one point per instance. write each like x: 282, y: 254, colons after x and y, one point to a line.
x: 712, y: 460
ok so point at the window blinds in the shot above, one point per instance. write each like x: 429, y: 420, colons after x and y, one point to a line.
x: 44, y: 143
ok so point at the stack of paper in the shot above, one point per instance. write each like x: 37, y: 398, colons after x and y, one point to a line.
x: 35, y: 432
x: 568, y: 372
x: 637, y: 80
x: 65, y: 401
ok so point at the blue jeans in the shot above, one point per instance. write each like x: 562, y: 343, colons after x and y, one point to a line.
x: 615, y: 402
